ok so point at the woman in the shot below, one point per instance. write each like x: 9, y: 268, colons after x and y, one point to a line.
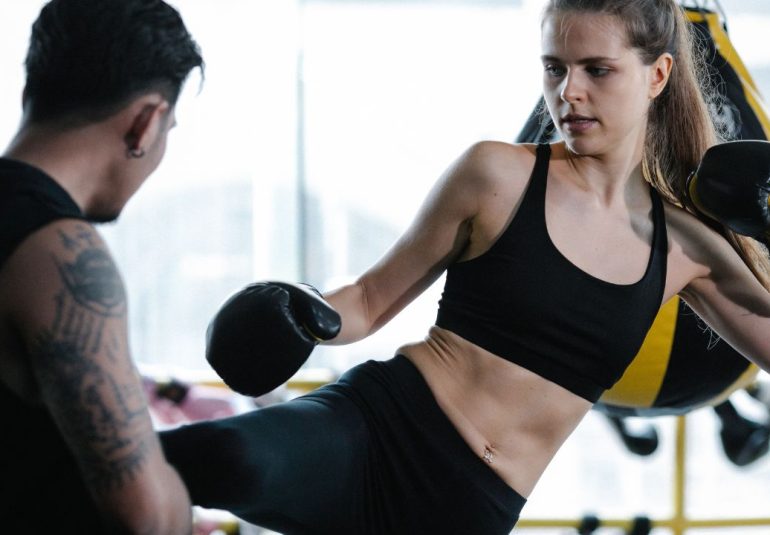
x: 558, y: 259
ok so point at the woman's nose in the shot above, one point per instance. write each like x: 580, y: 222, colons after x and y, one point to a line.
x: 573, y: 89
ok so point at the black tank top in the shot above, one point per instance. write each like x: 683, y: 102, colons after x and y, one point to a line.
x: 40, y: 486
x: 525, y: 302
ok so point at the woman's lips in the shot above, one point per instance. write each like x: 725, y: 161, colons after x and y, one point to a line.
x: 577, y: 124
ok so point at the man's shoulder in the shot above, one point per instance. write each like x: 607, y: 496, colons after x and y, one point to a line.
x: 63, y: 255
x: 29, y: 201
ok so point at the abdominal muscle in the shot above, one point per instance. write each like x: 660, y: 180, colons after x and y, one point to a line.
x: 511, y: 418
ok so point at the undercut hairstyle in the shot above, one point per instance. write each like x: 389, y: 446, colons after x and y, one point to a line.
x: 682, y: 122
x: 88, y: 58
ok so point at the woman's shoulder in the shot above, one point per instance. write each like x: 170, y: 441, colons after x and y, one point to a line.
x: 694, y: 239
x: 491, y: 150
x: 684, y: 223
x: 495, y: 161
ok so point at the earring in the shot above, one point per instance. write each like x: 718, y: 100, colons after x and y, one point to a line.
x: 135, y: 153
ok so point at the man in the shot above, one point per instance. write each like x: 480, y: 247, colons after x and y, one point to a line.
x: 77, y: 448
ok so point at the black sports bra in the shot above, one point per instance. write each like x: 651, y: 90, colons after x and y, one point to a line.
x: 525, y: 302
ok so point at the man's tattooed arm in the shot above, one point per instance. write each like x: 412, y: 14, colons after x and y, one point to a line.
x: 82, y: 365
x: 65, y: 303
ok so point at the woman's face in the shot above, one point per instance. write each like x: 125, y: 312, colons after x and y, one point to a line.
x: 596, y: 87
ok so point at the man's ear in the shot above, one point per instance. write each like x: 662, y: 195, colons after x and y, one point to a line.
x: 145, y: 118
x: 660, y: 73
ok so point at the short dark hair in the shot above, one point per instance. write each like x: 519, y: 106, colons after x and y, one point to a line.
x: 88, y: 58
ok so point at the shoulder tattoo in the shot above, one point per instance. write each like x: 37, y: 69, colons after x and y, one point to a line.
x: 99, y: 401
x: 92, y: 278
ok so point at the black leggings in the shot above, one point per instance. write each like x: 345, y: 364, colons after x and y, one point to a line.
x: 369, y: 454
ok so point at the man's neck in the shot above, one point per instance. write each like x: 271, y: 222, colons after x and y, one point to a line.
x: 71, y: 158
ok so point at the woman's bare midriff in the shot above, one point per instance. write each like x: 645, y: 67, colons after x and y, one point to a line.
x: 512, y: 418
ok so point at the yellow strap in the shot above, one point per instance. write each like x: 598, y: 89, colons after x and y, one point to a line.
x: 641, y: 383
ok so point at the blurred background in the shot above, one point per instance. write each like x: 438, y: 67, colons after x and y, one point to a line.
x: 316, y: 134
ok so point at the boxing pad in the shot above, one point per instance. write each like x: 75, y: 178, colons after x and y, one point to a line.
x: 731, y: 185
x: 265, y: 332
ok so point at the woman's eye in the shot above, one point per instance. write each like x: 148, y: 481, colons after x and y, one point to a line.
x: 554, y: 70
x: 597, y: 71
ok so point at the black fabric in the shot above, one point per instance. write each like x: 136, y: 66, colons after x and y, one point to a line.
x: 718, y: 366
x: 701, y: 367
x: 40, y: 489
x: 369, y: 454
x: 525, y: 302
x: 29, y: 200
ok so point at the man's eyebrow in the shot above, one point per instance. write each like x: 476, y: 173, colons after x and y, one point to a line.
x: 581, y: 61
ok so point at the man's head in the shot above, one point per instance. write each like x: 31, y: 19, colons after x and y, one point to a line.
x: 89, y: 58
x: 103, y: 77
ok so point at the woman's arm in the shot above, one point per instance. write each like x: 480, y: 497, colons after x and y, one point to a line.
x: 446, y: 227
x: 726, y: 294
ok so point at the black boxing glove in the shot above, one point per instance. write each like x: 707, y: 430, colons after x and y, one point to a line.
x: 731, y: 185
x: 265, y: 332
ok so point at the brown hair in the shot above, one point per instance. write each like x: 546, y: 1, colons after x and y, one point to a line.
x: 680, y: 124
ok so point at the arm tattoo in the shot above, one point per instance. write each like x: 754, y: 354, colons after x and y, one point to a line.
x: 92, y: 279
x: 101, y: 410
